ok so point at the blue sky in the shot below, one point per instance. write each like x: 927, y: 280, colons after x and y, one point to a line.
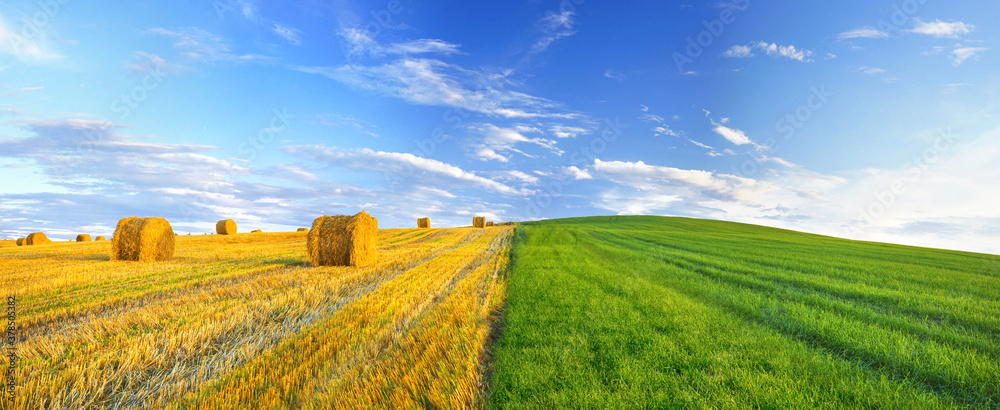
x: 870, y: 120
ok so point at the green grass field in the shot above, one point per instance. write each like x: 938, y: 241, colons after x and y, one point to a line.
x: 653, y: 312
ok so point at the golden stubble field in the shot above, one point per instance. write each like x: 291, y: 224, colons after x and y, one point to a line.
x: 244, y: 321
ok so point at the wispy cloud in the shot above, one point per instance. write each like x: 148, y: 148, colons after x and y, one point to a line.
x: 291, y: 35
x: 195, y: 44
x: 34, y: 48
x: 661, y: 128
x: 939, y: 28
x: 614, y: 75
x: 553, y: 27
x: 432, y: 172
x: 870, y: 70
x: 494, y: 143
x: 433, y: 82
x: 960, y: 54
x: 143, y: 63
x: 359, y: 44
x: 863, y: 32
x: 23, y: 90
x: 334, y: 120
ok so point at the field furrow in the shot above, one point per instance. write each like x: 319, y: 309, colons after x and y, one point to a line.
x: 101, y: 334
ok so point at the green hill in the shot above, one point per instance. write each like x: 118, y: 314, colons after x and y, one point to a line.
x: 654, y: 312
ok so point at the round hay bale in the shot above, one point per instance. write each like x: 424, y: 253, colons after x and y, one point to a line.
x: 37, y: 238
x: 478, y: 221
x: 490, y: 223
x: 343, y: 240
x: 83, y: 238
x: 20, y: 241
x: 143, y: 240
x: 100, y: 238
x: 302, y: 230
x: 225, y: 227
x: 256, y: 231
x: 424, y: 223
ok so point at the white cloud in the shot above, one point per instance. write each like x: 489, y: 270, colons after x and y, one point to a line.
x: 770, y: 49
x: 554, y: 27
x: 775, y: 50
x: 664, y: 130
x: 290, y: 34
x: 195, y: 44
x: 423, y: 46
x: 23, y: 90
x: 335, y: 120
x: 938, y: 28
x: 297, y: 172
x: 870, y: 70
x: 699, y: 144
x: 577, y: 173
x: 495, y: 141
x: 614, y: 75
x: 945, y: 201
x: 402, y: 165
x: 28, y: 46
x: 145, y: 63
x: 960, y: 54
x: 733, y: 135
x: 566, y: 131
x: 863, y: 32
x: 433, y: 82
x: 521, y: 176
x: 738, y: 51
x: 736, y: 136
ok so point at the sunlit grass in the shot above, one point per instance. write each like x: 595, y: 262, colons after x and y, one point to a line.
x: 660, y: 312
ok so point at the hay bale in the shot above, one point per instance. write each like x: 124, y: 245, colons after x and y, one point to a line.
x: 376, y: 221
x: 479, y: 222
x: 37, y: 238
x: 83, y: 238
x: 143, y: 240
x: 302, y: 230
x: 256, y: 231
x: 343, y: 240
x: 20, y: 241
x: 490, y: 223
x: 225, y: 227
x: 423, y: 222
x: 100, y: 238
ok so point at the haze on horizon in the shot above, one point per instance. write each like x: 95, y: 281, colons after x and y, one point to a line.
x: 865, y: 120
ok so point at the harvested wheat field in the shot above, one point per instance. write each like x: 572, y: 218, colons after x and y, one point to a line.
x: 247, y: 322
